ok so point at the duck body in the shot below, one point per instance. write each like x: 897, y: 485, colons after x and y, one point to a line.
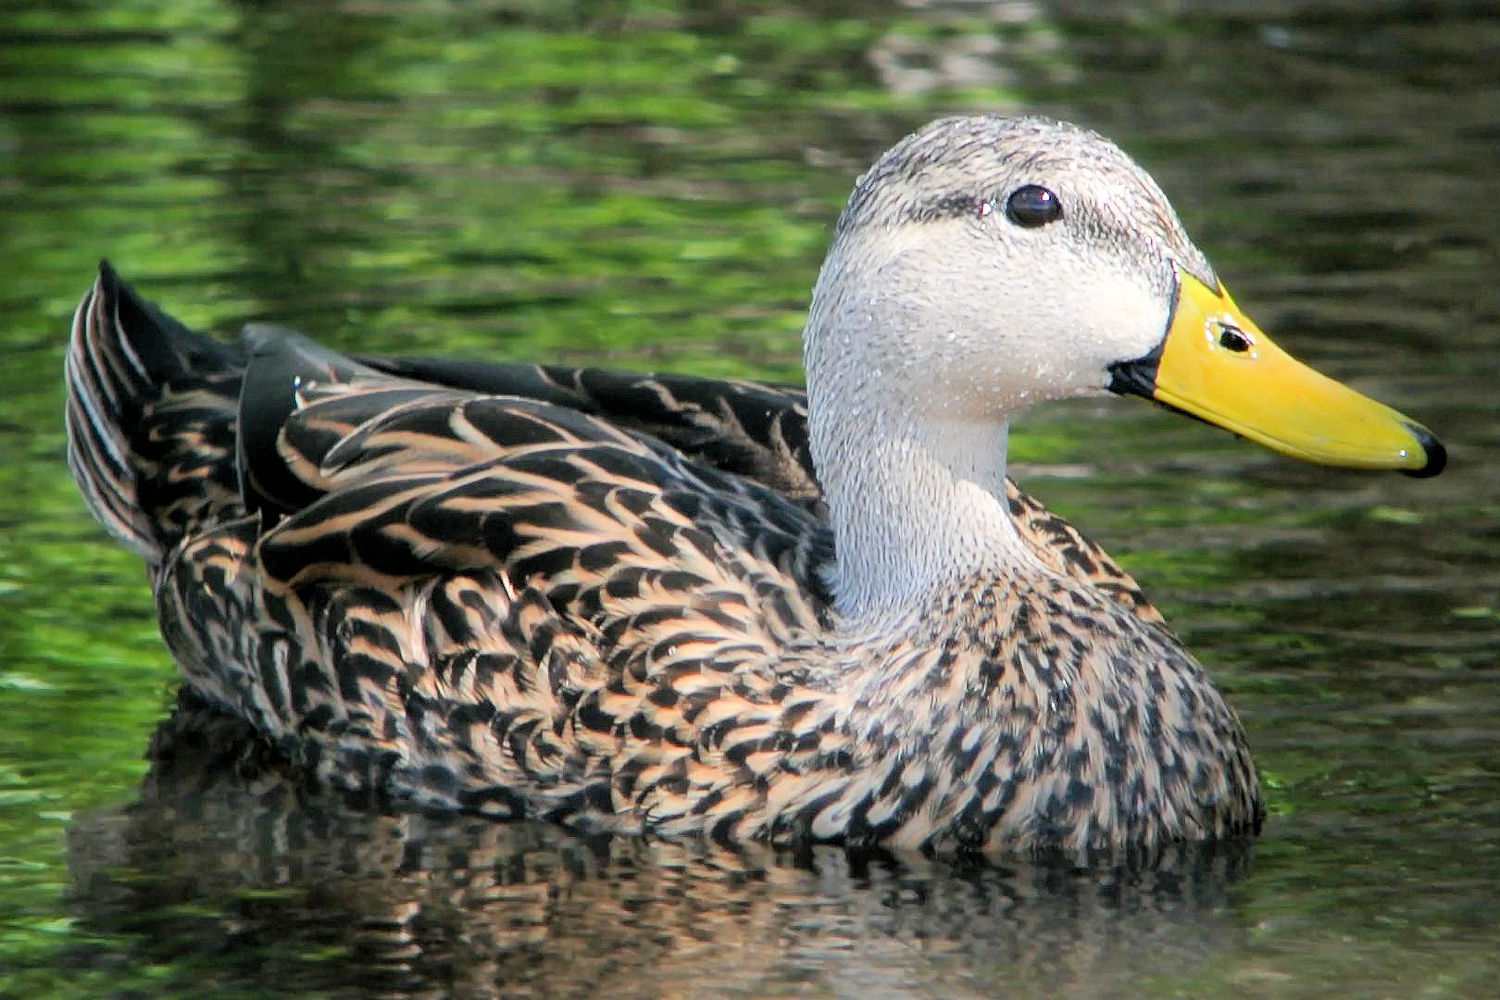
x: 680, y: 605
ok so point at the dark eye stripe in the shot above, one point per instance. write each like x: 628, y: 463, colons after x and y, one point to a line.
x: 1032, y: 205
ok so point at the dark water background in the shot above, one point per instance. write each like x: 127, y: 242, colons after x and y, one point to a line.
x: 651, y: 185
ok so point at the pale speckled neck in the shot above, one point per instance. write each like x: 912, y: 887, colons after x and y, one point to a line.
x: 919, y: 511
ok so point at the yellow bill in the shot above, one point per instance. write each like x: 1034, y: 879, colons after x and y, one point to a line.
x: 1220, y: 367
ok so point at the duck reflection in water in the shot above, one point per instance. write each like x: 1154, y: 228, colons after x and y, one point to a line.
x: 224, y: 855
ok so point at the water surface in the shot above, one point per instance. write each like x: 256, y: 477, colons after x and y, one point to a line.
x: 652, y: 186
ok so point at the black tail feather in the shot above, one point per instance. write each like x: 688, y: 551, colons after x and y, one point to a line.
x: 122, y: 353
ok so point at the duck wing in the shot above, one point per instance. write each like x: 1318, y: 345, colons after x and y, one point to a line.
x: 753, y: 430
x: 428, y: 594
x: 331, y: 449
x: 750, y: 429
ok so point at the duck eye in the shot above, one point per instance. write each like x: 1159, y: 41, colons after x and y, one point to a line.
x: 1232, y: 338
x: 1032, y: 206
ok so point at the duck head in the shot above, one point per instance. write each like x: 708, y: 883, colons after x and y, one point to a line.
x: 986, y: 263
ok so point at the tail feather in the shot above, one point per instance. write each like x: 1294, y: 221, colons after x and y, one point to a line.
x: 124, y: 355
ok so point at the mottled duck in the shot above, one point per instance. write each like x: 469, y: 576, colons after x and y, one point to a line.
x: 693, y: 606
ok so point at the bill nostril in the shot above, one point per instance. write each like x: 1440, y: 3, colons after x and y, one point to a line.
x: 1234, y: 339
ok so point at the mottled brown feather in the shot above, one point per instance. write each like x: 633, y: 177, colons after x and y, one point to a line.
x: 599, y: 598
